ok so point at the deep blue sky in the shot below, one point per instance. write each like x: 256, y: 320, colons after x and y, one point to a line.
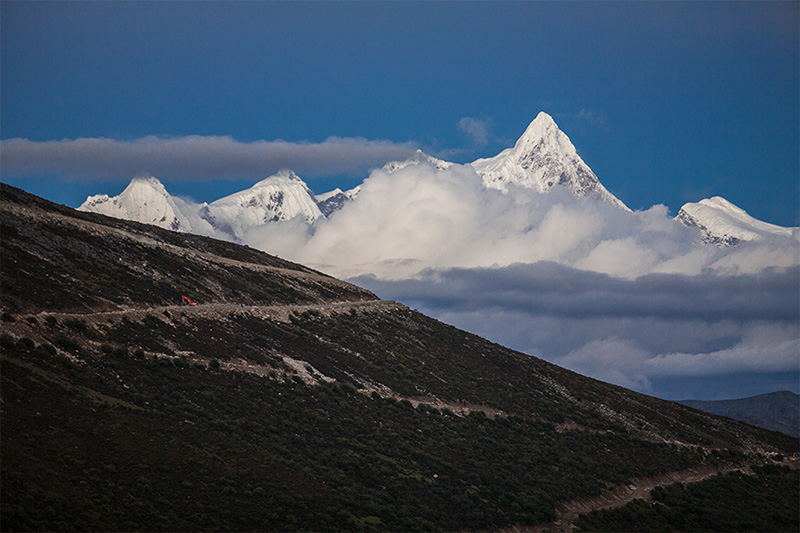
x: 666, y: 102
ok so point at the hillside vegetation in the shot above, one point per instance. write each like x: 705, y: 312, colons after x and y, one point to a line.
x: 289, y: 400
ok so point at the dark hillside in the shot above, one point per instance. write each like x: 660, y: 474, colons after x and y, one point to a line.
x: 778, y: 411
x: 289, y: 400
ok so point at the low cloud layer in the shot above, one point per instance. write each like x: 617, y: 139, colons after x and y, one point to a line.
x: 627, y: 297
x: 670, y: 335
x: 194, y: 157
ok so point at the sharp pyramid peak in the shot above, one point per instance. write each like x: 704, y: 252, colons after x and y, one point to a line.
x: 542, y: 158
x: 146, y: 180
x: 145, y: 177
x: 544, y: 119
x: 542, y: 127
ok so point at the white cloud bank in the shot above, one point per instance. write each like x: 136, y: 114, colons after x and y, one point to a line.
x: 194, y: 157
x: 421, y: 217
x: 630, y: 298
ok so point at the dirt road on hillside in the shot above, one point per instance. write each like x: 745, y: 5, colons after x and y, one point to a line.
x: 638, y: 488
x: 275, y: 312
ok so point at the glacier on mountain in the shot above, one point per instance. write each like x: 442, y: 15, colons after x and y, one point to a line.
x: 418, y: 158
x: 722, y: 223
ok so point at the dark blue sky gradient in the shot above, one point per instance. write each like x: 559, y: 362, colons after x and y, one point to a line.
x: 666, y: 102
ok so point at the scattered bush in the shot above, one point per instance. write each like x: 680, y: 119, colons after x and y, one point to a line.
x: 51, y: 321
x: 7, y: 341
x: 76, y: 323
x: 25, y: 344
x: 152, y: 321
x: 45, y: 350
x: 62, y: 341
x: 7, y: 317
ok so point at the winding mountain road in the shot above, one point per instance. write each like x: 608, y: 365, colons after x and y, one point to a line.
x: 275, y: 312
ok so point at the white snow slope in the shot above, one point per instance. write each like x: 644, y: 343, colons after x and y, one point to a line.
x: 146, y: 200
x: 721, y: 222
x: 282, y: 196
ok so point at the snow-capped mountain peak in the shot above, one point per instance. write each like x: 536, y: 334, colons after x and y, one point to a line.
x: 145, y: 199
x: 279, y: 197
x: 724, y: 223
x: 419, y: 157
x: 283, y: 176
x: 542, y: 158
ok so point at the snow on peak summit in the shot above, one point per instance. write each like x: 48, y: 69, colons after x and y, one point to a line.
x: 281, y: 196
x: 542, y: 158
x: 283, y: 176
x: 724, y: 223
x: 419, y: 157
x: 146, y: 200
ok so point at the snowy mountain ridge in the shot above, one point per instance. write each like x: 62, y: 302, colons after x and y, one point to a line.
x: 334, y: 200
x: 542, y: 158
x: 419, y: 157
x: 723, y: 223
x: 280, y: 197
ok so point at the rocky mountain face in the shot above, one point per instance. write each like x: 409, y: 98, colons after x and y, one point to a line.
x: 334, y: 200
x: 286, y: 399
x: 722, y: 223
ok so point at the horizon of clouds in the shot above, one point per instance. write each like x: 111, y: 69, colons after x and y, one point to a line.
x: 194, y: 157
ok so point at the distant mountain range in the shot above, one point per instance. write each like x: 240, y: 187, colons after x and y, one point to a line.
x: 541, y: 159
x: 778, y: 411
